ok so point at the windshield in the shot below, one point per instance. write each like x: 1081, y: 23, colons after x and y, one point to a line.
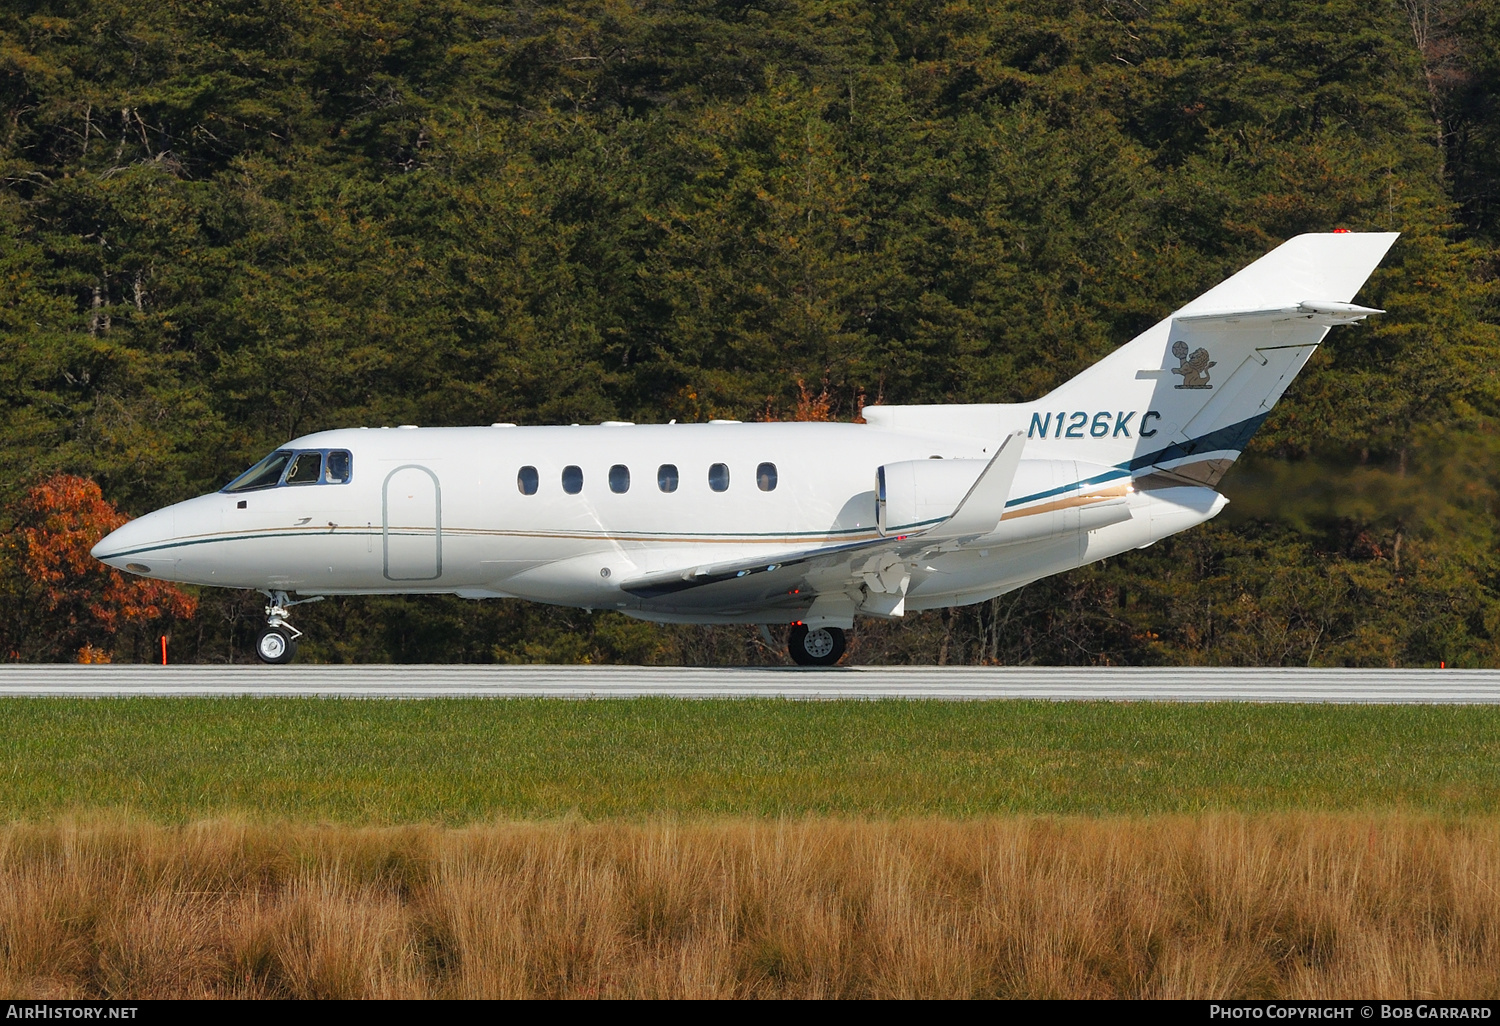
x: 264, y: 474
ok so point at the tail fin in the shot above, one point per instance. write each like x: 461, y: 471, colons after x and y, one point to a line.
x: 1185, y: 396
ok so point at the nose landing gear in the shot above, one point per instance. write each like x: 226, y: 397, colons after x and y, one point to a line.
x: 278, y: 642
x: 815, y: 646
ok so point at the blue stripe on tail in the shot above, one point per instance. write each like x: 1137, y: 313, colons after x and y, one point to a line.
x: 1233, y: 438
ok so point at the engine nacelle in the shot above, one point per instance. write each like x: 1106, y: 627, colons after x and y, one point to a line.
x: 916, y: 494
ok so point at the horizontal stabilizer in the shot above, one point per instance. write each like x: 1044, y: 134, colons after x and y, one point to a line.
x: 1324, y: 312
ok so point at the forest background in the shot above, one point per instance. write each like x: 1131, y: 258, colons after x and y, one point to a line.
x: 229, y: 222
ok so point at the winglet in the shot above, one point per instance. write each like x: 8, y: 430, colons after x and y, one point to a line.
x: 982, y: 508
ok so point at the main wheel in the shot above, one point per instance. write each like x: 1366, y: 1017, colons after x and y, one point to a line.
x: 275, y: 645
x: 815, y: 646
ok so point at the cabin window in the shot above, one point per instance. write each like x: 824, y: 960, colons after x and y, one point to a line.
x: 619, y: 479
x: 718, y: 477
x: 307, y: 468
x: 765, y: 477
x: 572, y: 480
x: 265, y: 474
x: 527, y: 480
x: 666, y: 477
x: 337, y: 466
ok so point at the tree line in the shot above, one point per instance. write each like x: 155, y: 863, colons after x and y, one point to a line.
x: 229, y: 223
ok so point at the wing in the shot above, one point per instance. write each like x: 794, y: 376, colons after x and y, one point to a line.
x: 792, y: 580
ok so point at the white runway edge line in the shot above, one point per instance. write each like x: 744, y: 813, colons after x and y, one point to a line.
x: 950, y: 683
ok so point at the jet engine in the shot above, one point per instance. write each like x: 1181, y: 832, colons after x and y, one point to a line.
x: 918, y: 493
x: 1056, y: 496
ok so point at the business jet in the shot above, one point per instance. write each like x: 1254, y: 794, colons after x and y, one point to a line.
x: 803, y: 524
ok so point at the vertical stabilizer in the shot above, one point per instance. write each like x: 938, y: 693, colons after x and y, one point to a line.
x: 1185, y: 396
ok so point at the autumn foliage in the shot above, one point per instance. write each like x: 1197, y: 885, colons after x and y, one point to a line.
x: 67, y: 604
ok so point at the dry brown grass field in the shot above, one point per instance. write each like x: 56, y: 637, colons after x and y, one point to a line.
x: 1225, y: 905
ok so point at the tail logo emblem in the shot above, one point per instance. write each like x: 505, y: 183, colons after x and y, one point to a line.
x: 1194, y: 367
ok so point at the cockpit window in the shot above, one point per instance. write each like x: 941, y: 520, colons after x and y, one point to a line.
x: 293, y: 467
x: 337, y: 466
x: 307, y: 468
x: 264, y: 474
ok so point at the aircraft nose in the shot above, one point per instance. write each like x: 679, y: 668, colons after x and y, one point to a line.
x: 131, y: 542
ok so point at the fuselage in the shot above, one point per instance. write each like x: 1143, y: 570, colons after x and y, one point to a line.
x: 447, y: 510
x: 811, y: 524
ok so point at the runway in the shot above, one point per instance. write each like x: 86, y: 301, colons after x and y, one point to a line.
x: 947, y: 683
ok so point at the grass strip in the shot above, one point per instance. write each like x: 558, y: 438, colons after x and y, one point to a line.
x: 464, y: 761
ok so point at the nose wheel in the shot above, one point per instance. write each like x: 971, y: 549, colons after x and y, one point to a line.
x: 276, y: 645
x: 278, y: 642
x: 815, y: 646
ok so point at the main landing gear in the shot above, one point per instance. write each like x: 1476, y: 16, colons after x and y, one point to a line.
x: 278, y: 642
x: 815, y: 646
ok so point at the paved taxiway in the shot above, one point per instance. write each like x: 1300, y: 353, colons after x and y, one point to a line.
x: 1155, y: 684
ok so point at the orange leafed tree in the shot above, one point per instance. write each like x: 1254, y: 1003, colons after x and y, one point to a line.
x: 810, y: 407
x: 67, y: 603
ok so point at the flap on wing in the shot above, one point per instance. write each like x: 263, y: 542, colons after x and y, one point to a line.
x: 669, y: 582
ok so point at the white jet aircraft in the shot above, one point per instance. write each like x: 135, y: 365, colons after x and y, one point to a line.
x: 807, y: 524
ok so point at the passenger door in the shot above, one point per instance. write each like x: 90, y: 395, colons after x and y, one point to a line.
x: 413, y: 524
